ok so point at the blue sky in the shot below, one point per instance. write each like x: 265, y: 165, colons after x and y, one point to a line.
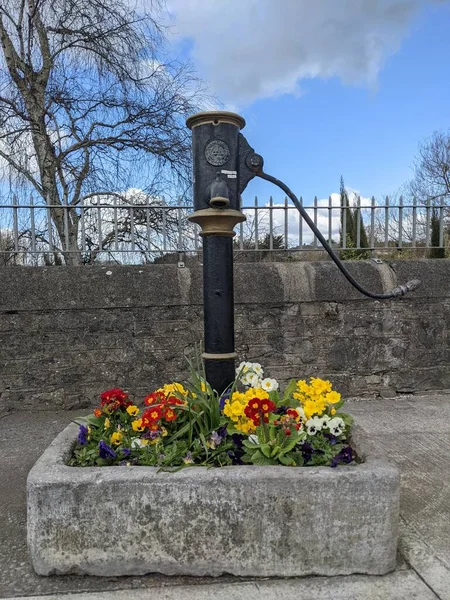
x: 338, y: 115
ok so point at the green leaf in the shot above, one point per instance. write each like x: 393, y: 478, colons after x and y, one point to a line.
x: 260, y: 460
x: 266, y: 449
x: 250, y: 445
x: 290, y: 444
x: 275, y: 451
x: 348, y: 419
x: 339, y: 404
x: 287, y: 461
x: 290, y: 389
x: 88, y: 420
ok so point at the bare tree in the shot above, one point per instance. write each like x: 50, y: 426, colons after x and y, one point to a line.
x: 86, y: 105
x: 431, y: 182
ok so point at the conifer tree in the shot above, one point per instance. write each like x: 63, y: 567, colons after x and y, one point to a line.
x: 435, y: 251
x: 351, y: 229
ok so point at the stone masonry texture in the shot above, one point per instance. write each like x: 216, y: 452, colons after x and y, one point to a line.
x: 67, y: 334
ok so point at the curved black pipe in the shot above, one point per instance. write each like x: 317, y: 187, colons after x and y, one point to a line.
x: 400, y: 290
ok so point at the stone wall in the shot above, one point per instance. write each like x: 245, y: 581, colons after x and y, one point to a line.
x: 67, y: 334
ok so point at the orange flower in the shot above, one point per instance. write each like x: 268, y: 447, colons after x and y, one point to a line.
x: 151, y: 415
x: 174, y: 400
x: 155, y: 398
x: 169, y: 414
x: 97, y: 412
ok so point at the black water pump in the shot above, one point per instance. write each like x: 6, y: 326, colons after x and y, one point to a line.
x: 224, y: 163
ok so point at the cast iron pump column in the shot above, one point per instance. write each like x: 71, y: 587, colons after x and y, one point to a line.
x: 224, y: 163
x: 215, y: 145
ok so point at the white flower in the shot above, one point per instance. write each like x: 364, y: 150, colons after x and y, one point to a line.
x: 137, y: 443
x: 270, y: 385
x: 314, y: 425
x: 254, y: 380
x: 257, y: 368
x: 243, y: 367
x: 301, y: 413
x: 253, y: 439
x: 336, y: 426
x: 247, y: 378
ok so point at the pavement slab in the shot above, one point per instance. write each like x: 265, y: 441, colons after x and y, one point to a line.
x: 396, y: 586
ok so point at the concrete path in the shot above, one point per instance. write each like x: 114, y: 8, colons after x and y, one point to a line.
x: 413, y: 431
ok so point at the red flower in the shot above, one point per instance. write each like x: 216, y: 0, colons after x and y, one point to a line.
x: 267, y: 406
x: 292, y: 413
x: 114, y: 399
x: 169, y: 414
x: 173, y: 400
x: 257, y: 409
x: 155, y: 398
x: 151, y: 415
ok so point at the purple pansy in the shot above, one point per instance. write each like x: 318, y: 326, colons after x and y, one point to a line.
x: 105, y: 451
x: 344, y: 456
x: 83, y: 435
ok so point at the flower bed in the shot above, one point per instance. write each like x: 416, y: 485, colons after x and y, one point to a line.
x: 191, y: 425
x: 261, y: 518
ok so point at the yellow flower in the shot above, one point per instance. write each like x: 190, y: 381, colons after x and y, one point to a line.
x: 246, y: 426
x: 116, y: 438
x: 333, y: 397
x: 320, y: 386
x: 238, y: 396
x: 227, y: 409
x: 107, y: 424
x: 132, y: 410
x: 256, y: 393
x: 303, y: 387
x: 333, y: 411
x: 173, y: 388
x: 311, y: 407
x: 237, y: 409
x: 137, y: 425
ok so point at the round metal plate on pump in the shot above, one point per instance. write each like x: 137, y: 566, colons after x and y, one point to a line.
x: 217, y: 153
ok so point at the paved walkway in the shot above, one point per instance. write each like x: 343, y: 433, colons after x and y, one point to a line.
x: 413, y: 431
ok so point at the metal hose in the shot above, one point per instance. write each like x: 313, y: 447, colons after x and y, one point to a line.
x: 400, y: 290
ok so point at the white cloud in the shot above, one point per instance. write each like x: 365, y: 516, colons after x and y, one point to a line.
x: 249, y: 49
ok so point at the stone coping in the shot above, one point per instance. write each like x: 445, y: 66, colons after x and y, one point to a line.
x: 243, y: 520
x: 133, y: 286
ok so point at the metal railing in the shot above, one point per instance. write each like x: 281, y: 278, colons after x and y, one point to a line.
x: 108, y: 229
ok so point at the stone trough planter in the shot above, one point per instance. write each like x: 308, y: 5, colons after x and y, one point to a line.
x: 243, y: 520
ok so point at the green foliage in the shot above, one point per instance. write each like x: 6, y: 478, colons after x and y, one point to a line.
x: 435, y: 251
x: 181, y: 426
x: 273, y: 446
x: 352, y: 219
x: 277, y: 242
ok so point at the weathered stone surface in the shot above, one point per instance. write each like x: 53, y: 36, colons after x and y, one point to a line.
x: 67, y: 334
x: 241, y: 520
